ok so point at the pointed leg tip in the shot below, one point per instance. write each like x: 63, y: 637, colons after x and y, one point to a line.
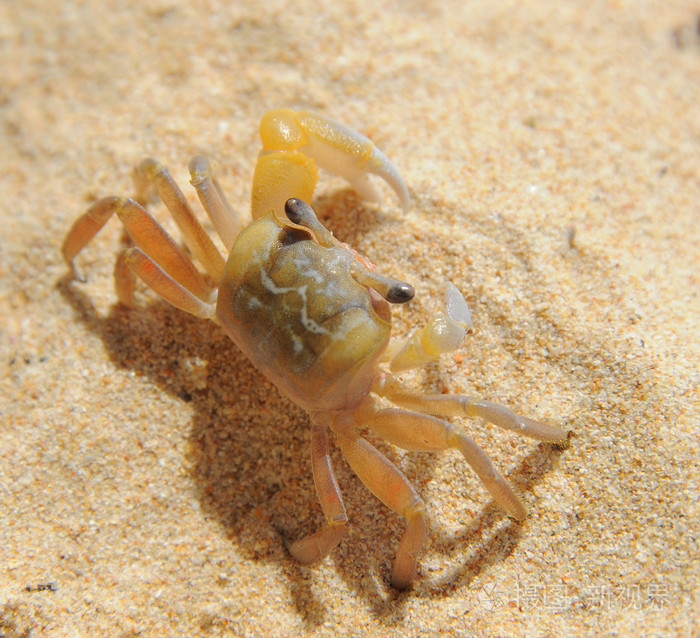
x: 520, y: 515
x: 402, y: 583
x: 75, y: 274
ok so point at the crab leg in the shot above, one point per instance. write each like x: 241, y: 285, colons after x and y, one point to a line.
x: 226, y: 221
x: 393, y: 489
x: 460, y: 405
x: 316, y: 546
x: 163, y: 284
x: 85, y: 228
x: 151, y: 173
x: 124, y: 278
x: 145, y: 232
x: 420, y: 432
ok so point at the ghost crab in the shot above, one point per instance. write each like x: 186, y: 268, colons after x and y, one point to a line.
x: 312, y: 315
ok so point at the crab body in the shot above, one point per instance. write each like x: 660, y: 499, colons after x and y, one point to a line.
x: 294, y: 309
x: 312, y: 315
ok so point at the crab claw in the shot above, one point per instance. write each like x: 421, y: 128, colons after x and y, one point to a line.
x: 331, y: 145
x: 444, y: 333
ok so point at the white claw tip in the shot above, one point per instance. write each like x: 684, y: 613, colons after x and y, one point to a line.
x: 456, y: 306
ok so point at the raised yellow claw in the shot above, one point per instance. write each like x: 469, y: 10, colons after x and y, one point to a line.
x: 295, y: 142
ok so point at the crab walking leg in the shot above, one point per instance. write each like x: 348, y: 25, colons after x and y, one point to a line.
x: 124, y: 279
x: 460, y: 405
x: 227, y: 222
x: 333, y: 146
x: 145, y: 232
x: 85, y: 228
x: 167, y: 287
x: 152, y: 173
x: 153, y: 240
x: 420, y: 432
x: 392, y: 488
x: 316, y: 546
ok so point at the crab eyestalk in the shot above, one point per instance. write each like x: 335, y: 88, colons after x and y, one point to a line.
x: 393, y: 290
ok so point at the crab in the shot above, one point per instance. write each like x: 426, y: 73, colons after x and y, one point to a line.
x: 312, y: 315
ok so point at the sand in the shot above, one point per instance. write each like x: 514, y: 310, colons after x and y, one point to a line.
x: 149, y: 475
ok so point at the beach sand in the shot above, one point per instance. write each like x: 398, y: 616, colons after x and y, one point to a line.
x: 149, y: 475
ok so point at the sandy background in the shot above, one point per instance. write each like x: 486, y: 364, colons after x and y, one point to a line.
x: 148, y: 473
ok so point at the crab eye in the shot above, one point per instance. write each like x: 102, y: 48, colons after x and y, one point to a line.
x: 400, y: 292
x: 299, y: 212
x: 393, y: 290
